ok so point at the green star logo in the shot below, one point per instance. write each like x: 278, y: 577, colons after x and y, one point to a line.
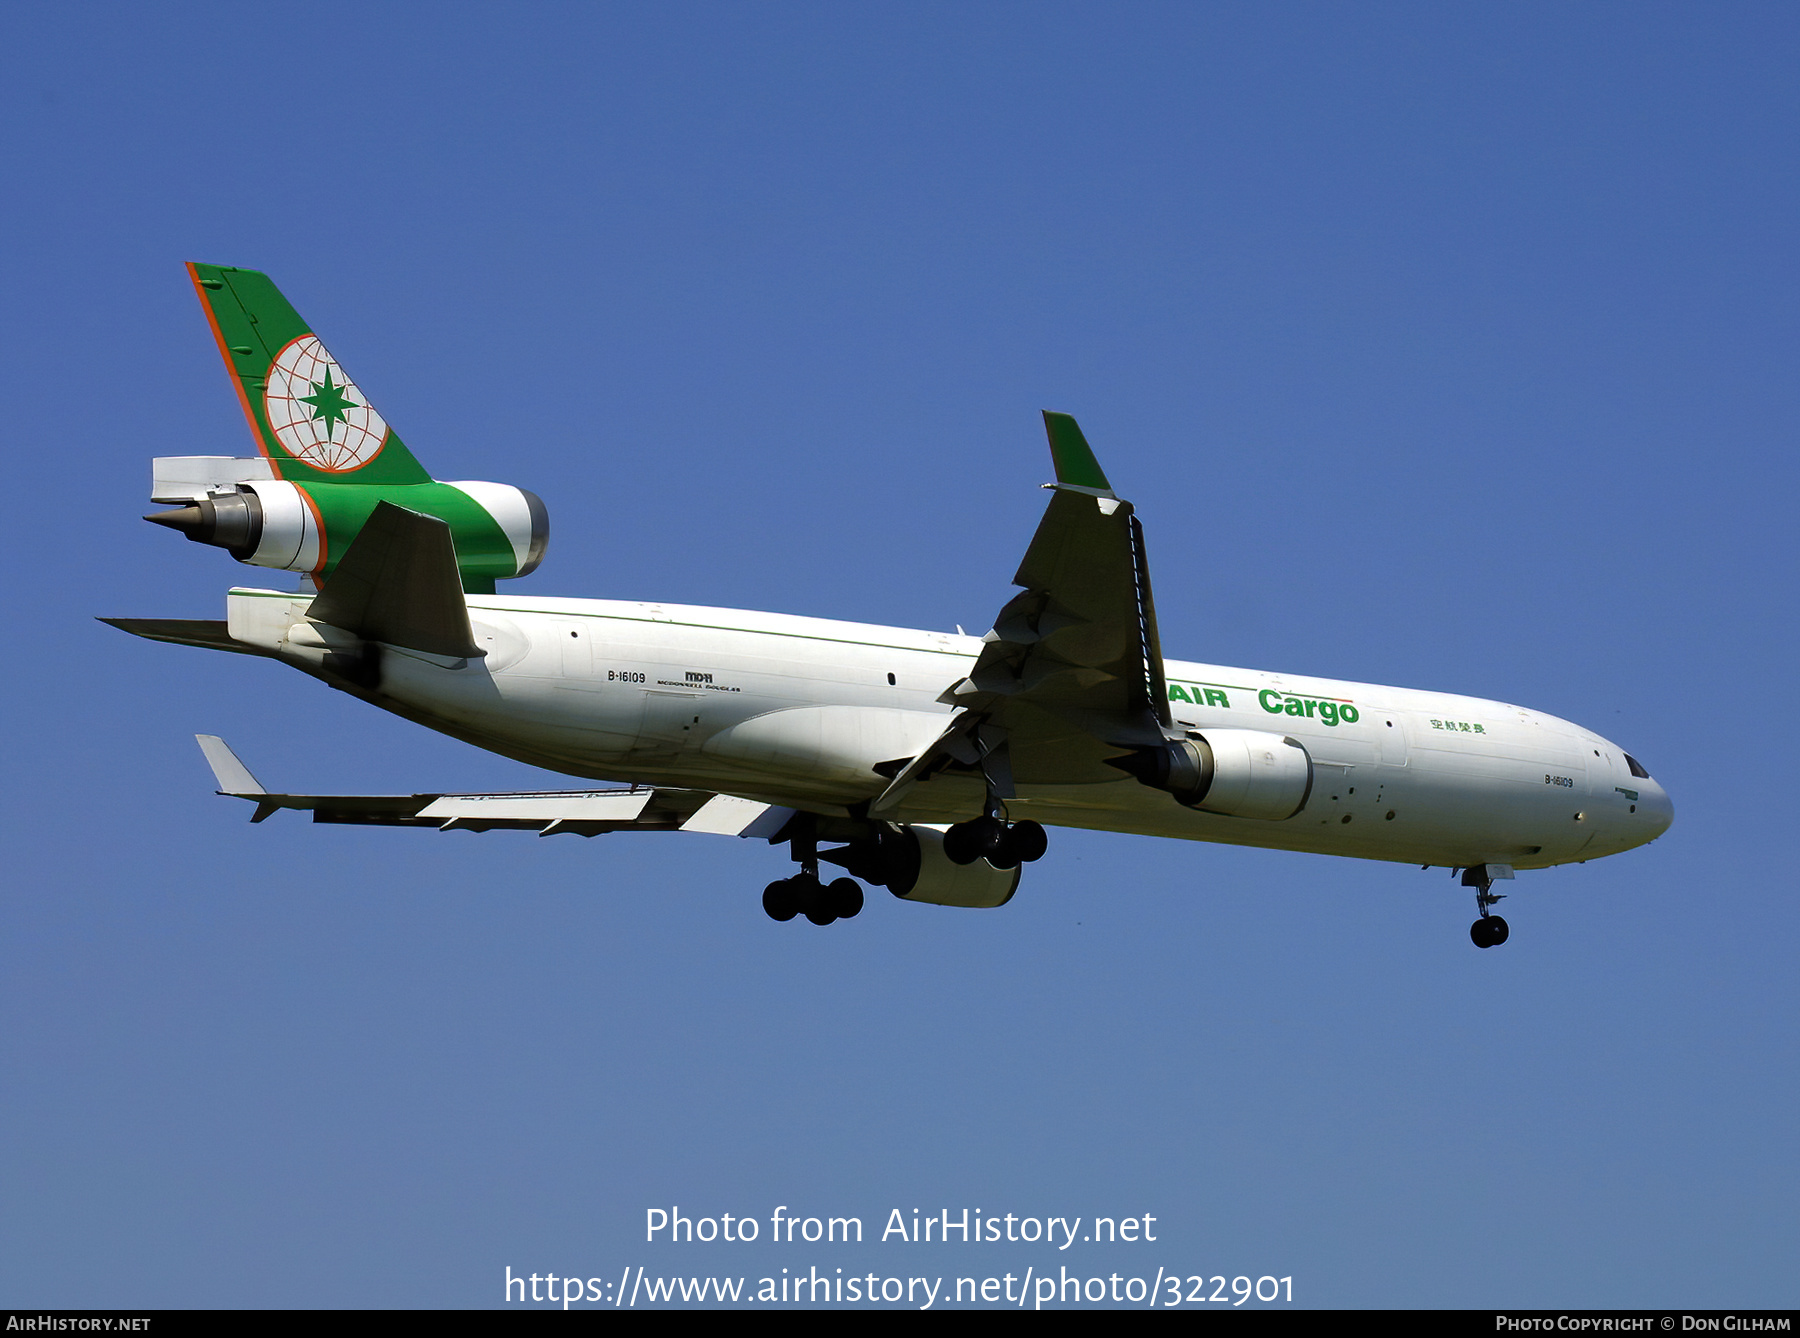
x: 329, y: 403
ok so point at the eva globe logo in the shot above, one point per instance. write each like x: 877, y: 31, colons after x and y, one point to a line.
x: 317, y: 412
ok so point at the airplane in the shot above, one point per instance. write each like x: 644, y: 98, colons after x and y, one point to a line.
x: 925, y: 762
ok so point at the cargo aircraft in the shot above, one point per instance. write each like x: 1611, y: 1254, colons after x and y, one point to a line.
x: 928, y: 763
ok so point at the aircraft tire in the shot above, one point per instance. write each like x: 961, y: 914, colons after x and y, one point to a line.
x: 961, y: 845
x: 810, y: 898
x: 1028, y: 841
x: 778, y: 901
x: 845, y: 896
x: 985, y: 837
x: 1490, y: 931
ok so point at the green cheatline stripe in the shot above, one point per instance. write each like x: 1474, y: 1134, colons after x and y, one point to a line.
x: 1305, y: 696
x: 722, y: 627
x: 664, y: 622
x: 797, y: 636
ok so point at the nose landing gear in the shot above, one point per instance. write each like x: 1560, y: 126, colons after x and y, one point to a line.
x: 1490, y: 931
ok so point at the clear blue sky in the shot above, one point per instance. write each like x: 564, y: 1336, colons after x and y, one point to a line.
x: 1447, y: 346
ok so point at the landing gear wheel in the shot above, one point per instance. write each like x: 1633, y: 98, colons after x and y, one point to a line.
x: 845, y: 897
x: 1490, y: 931
x: 778, y: 901
x: 807, y: 896
x: 969, y: 841
x: 979, y: 838
x: 1028, y: 841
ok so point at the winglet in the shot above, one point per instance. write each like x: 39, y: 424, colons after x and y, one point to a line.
x: 233, y: 776
x: 1075, y: 463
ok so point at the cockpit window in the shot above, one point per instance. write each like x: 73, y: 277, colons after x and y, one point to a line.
x: 1637, y: 767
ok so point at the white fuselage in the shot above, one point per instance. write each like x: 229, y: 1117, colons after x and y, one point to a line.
x: 799, y: 711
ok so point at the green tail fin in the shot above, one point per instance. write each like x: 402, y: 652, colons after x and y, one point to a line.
x: 307, y: 416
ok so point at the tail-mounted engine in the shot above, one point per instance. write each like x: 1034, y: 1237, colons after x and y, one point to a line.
x: 327, y: 458
x: 499, y: 531
x: 1241, y: 773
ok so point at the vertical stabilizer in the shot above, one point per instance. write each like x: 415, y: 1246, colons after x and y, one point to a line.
x: 309, y: 419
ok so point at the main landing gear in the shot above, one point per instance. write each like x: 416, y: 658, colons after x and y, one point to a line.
x: 806, y: 894
x: 989, y: 837
x: 1490, y: 930
x: 909, y: 861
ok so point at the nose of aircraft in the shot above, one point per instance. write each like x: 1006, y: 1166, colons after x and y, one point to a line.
x: 1654, y: 804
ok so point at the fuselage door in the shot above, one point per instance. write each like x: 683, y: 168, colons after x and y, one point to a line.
x: 575, y: 646
x: 1390, y: 735
x: 669, y: 724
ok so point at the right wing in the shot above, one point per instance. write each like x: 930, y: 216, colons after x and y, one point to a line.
x: 548, y: 812
x: 1071, y: 676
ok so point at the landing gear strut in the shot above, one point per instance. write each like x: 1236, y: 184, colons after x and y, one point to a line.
x: 1490, y: 930
x: 805, y: 893
x: 989, y: 837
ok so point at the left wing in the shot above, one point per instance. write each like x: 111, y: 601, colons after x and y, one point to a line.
x: 548, y: 813
x: 1071, y: 676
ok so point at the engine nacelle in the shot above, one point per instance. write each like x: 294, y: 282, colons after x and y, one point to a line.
x: 1240, y: 773
x: 910, y: 862
x: 500, y: 531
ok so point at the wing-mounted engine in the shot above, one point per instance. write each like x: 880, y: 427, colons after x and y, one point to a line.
x: 1240, y: 773
x: 910, y: 862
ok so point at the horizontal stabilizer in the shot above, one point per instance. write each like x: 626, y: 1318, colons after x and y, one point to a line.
x: 208, y: 634
x: 398, y: 583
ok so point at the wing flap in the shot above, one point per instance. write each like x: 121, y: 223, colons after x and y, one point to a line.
x: 623, y: 806
x: 727, y: 815
x: 547, y: 812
